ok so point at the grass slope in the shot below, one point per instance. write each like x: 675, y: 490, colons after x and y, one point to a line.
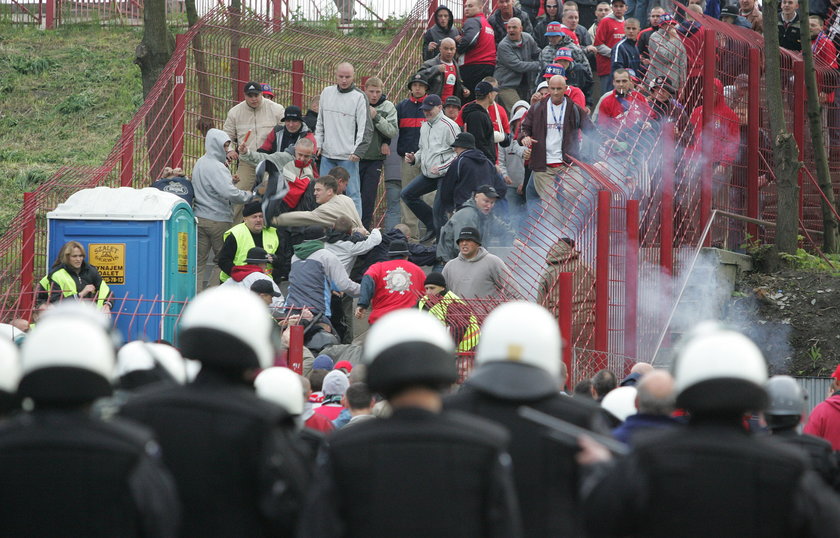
x: 63, y: 97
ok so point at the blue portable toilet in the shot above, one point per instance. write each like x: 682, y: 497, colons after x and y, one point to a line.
x: 143, y: 242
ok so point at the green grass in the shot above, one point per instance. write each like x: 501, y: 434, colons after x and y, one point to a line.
x: 63, y: 97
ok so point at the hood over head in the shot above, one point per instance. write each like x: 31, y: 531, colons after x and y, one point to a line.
x: 214, y: 144
x: 451, y: 17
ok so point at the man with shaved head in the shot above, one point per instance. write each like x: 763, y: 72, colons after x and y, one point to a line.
x: 655, y: 401
x: 551, y: 134
x: 344, y: 129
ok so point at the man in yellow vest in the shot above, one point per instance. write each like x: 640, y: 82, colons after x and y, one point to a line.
x: 252, y: 232
x: 451, y: 310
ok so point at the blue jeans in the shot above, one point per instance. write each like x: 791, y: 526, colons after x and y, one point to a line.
x: 431, y: 217
x: 353, y: 186
x: 393, y: 214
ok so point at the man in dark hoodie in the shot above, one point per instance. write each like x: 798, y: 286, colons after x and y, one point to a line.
x: 468, y: 171
x: 477, y: 120
x: 442, y: 28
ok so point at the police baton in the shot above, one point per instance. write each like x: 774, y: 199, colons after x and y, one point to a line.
x: 567, y: 433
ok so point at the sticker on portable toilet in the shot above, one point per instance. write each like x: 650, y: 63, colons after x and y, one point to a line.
x: 109, y: 259
x: 183, y: 251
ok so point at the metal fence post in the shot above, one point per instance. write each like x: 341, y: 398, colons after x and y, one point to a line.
x: 243, y: 70
x: 602, y: 272
x: 127, y: 161
x: 27, y: 258
x: 296, y: 348
x: 297, y: 83
x: 178, y: 105
x: 631, y: 278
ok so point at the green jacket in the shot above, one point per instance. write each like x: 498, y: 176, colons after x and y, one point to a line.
x: 384, y: 129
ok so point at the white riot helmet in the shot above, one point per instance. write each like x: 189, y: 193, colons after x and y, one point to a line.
x: 9, y: 375
x: 281, y: 386
x: 408, y: 347
x: 720, y: 371
x: 620, y: 402
x: 520, y: 343
x: 228, y: 327
x: 142, y: 363
x: 69, y: 357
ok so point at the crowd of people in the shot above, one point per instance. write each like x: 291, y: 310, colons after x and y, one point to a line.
x: 217, y: 437
x: 380, y: 435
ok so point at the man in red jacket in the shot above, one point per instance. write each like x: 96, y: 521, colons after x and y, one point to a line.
x: 825, y: 418
x: 477, y: 45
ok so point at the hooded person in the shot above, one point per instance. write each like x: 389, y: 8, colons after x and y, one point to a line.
x: 248, y: 465
x: 518, y: 363
x: 410, y: 361
x: 697, y: 473
x: 214, y: 195
x: 58, y: 444
x: 441, y: 29
x: 563, y: 258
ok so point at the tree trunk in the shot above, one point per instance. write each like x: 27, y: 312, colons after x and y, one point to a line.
x: 152, y: 55
x: 205, y: 121
x: 785, y: 152
x: 816, y: 128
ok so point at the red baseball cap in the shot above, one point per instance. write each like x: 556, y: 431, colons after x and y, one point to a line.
x: 343, y: 364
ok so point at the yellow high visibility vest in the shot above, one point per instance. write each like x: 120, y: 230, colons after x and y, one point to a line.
x: 245, y: 242
x: 68, y: 286
x: 439, y: 310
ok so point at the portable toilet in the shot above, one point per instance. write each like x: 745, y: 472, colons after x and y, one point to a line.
x: 143, y: 242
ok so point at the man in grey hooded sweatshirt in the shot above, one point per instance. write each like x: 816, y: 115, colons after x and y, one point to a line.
x: 214, y: 194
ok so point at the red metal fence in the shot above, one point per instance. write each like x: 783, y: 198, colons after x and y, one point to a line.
x: 636, y: 212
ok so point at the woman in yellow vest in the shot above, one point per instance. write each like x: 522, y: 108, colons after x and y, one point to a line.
x: 451, y: 310
x: 71, y: 276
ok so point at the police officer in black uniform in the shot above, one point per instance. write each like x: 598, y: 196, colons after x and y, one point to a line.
x: 784, y: 413
x: 712, y: 478
x: 64, y: 472
x: 235, y: 468
x: 518, y: 363
x: 420, y: 472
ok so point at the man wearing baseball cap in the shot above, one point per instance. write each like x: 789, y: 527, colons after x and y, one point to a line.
x: 451, y: 107
x: 249, y: 123
x: 476, y: 119
x: 577, y: 76
x: 557, y: 41
x: 468, y: 171
x: 477, y: 213
x: 433, y: 157
x: 825, y: 418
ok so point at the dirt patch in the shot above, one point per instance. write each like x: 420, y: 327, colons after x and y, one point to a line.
x: 794, y: 317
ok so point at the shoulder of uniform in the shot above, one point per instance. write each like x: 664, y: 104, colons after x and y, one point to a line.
x: 477, y: 429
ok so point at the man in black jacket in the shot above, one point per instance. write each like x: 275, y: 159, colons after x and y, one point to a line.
x: 711, y: 478
x: 468, y: 171
x: 420, y: 472
x: 66, y: 473
x: 442, y: 73
x: 232, y: 454
x: 477, y: 119
x: 518, y: 364
x: 441, y: 29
